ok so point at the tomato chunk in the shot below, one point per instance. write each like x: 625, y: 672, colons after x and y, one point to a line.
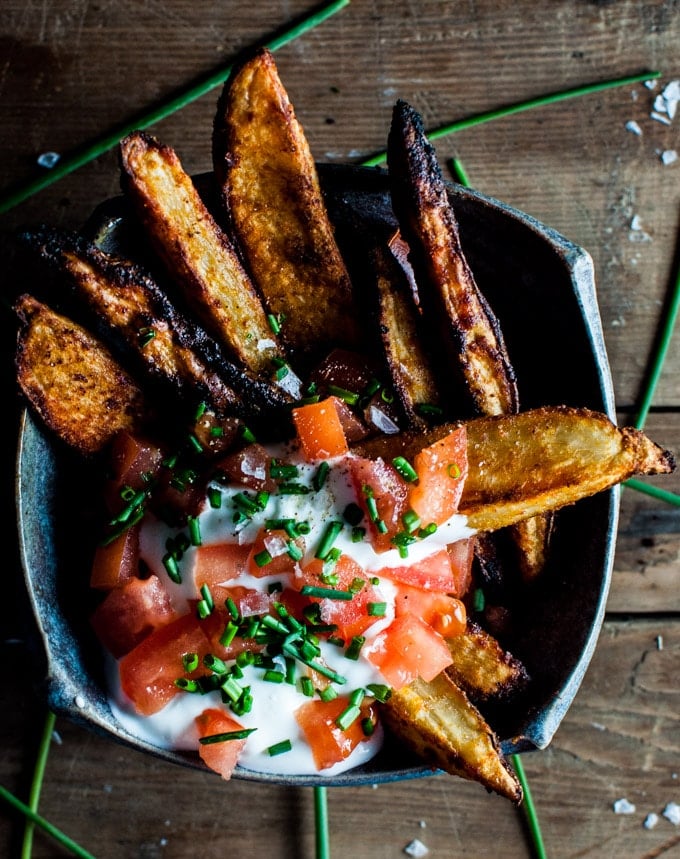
x: 221, y: 757
x: 116, y: 562
x: 249, y: 467
x: 445, y: 614
x: 319, y: 430
x: 407, y: 649
x: 274, y: 554
x: 331, y: 744
x: 461, y: 555
x: 377, y: 482
x: 442, y: 469
x: 148, y: 672
x: 432, y: 572
x: 217, y: 564
x: 131, y: 612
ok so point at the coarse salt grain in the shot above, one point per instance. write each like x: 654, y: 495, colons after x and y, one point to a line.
x: 669, y: 156
x: 634, y: 127
x: 48, y: 159
x: 622, y: 806
x: 672, y: 812
x: 416, y: 848
x: 651, y: 820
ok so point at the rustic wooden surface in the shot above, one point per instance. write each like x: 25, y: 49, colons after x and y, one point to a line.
x: 71, y: 69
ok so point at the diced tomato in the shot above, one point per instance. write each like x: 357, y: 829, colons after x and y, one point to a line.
x: 133, y: 461
x: 131, y: 612
x: 249, y: 467
x: 148, y: 672
x: 442, y: 469
x: 352, y: 426
x: 270, y: 554
x: 461, y: 555
x: 445, y: 614
x: 221, y: 757
x: 350, y: 616
x: 248, y: 603
x: 319, y: 430
x: 376, y: 479
x: 331, y: 744
x: 116, y: 562
x: 217, y: 564
x: 432, y: 573
x: 407, y: 649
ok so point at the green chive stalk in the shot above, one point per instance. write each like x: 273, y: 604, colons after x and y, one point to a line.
x: 509, y: 110
x: 36, y: 783
x: 321, y: 819
x: 13, y: 196
x: 530, y: 810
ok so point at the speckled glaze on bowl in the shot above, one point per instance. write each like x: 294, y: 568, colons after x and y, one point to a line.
x: 542, y: 289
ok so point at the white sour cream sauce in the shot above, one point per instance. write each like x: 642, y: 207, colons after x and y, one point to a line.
x: 274, y: 704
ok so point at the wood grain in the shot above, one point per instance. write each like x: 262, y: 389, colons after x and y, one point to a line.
x: 69, y: 70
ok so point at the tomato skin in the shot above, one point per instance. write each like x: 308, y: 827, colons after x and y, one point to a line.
x: 329, y: 743
x: 390, y: 492
x: 320, y: 430
x: 148, y: 672
x: 131, y: 612
x: 249, y: 467
x: 442, y: 469
x: 274, y: 542
x: 116, y: 562
x: 220, y: 757
x: 445, y: 614
x: 407, y: 649
x: 216, y: 564
x: 132, y: 460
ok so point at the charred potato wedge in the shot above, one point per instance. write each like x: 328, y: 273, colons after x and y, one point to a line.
x: 440, y: 724
x: 271, y: 193
x: 72, y: 381
x: 197, y: 253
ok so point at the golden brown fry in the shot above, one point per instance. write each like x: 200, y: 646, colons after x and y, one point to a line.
x: 410, y: 371
x: 542, y: 459
x: 271, y: 192
x: 481, y: 667
x: 72, y: 381
x: 468, y: 332
x: 444, y: 728
x: 196, y: 251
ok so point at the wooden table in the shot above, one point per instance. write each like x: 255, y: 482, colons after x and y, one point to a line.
x: 72, y: 70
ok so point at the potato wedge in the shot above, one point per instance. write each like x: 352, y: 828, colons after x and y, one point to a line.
x: 440, y: 724
x: 272, y: 196
x: 467, y: 331
x: 542, y: 459
x: 72, y: 381
x: 130, y: 309
x: 481, y: 667
x: 198, y: 254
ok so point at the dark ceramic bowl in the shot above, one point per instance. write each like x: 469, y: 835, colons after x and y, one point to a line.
x: 542, y: 289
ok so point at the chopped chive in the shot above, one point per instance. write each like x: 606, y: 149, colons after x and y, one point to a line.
x: 283, y: 470
x: 453, y: 470
x: 405, y: 468
x: 232, y: 608
x: 262, y: 558
x: 307, y: 687
x: 326, y: 593
x: 387, y: 396
x: 328, y: 694
x: 354, y: 648
x: 215, y: 664
x: 321, y: 475
x: 186, y: 684
x: 232, y: 689
x: 274, y: 323
x: 372, y: 388
x: 200, y: 410
x: 350, y: 397
x: 214, y: 497
x: 293, y: 489
x: 195, y: 443
x: 203, y: 609
x: 381, y: 526
x: 411, y: 521
x: 294, y: 550
x: 347, y: 718
x: 478, y: 600
x: 226, y: 736
x: 194, y: 525
x: 171, y: 568
x: 427, y: 531
x: 368, y: 726
x: 280, y: 748
x: 329, y: 536
x: 190, y: 661
x: 275, y: 624
x: 379, y: 691
x: 375, y: 580
x: 427, y: 409
x: 216, y: 432
x: 207, y: 596
x: 357, y: 585
x: 247, y: 435
x: 358, y: 534
x: 272, y: 676
x: 146, y: 335
x: 290, y: 670
x: 376, y: 609
x: 357, y: 697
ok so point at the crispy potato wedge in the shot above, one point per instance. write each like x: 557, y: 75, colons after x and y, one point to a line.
x: 524, y: 464
x: 197, y: 253
x: 129, y: 308
x: 72, y: 381
x: 440, y: 724
x: 272, y: 196
x: 399, y: 326
x: 467, y: 331
x: 481, y: 667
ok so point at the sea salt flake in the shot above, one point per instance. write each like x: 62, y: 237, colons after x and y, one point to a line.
x: 651, y: 820
x: 636, y: 223
x: 416, y: 848
x: 622, y: 806
x: 669, y: 156
x: 672, y: 812
x: 634, y: 127
x: 660, y: 117
x: 671, y: 97
x: 659, y: 642
x: 48, y: 159
x: 650, y: 84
